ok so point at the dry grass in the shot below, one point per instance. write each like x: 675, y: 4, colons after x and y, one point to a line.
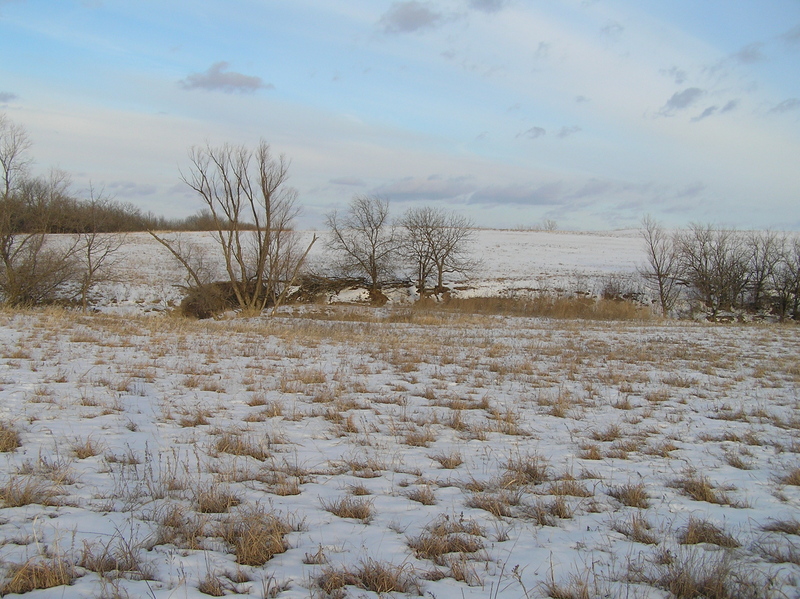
x: 637, y: 529
x: 590, y: 452
x: 713, y: 575
x: 27, y: 490
x: 792, y: 477
x: 526, y: 470
x: 434, y: 545
x: 86, y: 448
x: 546, y: 306
x: 37, y: 574
x: 351, y: 507
x: 237, y: 444
x: 702, y: 531
x: 790, y: 526
x: 197, y: 417
x: 496, y: 503
x: 449, y: 461
x: 255, y: 535
x: 371, y: 575
x: 115, y: 556
x: 699, y: 488
x: 175, y: 527
x: 569, y: 487
x: 9, y: 437
x: 632, y: 495
x: 214, y: 498
x: 423, y: 495
x: 779, y: 551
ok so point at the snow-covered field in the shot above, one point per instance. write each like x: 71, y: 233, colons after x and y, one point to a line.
x: 511, y: 263
x: 339, y: 451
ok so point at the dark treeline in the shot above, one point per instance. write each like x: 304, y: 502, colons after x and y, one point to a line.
x: 39, y: 206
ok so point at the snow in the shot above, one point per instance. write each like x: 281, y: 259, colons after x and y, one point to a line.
x: 338, y: 398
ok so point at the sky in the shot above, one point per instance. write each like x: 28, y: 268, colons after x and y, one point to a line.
x: 589, y: 113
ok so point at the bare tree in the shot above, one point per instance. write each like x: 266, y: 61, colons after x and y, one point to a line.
x: 252, y: 211
x: 765, y: 249
x: 437, y: 243
x: 96, y: 250
x: 785, y: 281
x: 662, y: 270
x: 364, y: 239
x: 33, y: 269
x: 14, y: 143
x: 714, y: 263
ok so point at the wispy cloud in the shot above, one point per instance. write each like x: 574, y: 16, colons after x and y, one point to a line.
x: 786, y: 106
x: 613, y: 29
x: 488, y: 6
x: 348, y: 181
x: 433, y: 187
x: 678, y: 75
x: 681, y: 100
x: 129, y: 189
x: 410, y: 16
x: 532, y: 133
x: 548, y: 194
x: 749, y: 54
x: 218, y: 78
x: 792, y: 36
x: 705, y: 114
x: 565, y: 132
x: 7, y: 97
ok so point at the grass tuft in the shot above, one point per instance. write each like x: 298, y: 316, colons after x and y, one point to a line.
x: 9, y: 438
x: 37, y: 574
x: 351, y: 507
x: 632, y: 495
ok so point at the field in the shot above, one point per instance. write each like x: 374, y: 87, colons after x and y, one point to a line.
x: 348, y: 451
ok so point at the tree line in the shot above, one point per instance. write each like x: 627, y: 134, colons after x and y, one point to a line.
x: 249, y: 210
x: 723, y: 270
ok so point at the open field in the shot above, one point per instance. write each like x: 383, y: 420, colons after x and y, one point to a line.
x: 513, y: 263
x: 340, y: 451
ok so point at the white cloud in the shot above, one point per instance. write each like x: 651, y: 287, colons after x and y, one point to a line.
x: 218, y: 78
x: 410, y: 16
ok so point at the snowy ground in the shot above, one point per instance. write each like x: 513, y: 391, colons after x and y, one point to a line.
x: 511, y: 263
x: 346, y: 450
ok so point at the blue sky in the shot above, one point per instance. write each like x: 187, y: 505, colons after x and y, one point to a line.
x: 591, y: 113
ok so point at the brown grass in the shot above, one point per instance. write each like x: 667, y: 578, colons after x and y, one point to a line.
x: 9, y: 437
x: 792, y: 477
x: 546, y: 306
x: 713, y: 575
x: 351, y: 507
x: 632, y: 495
x: 497, y: 504
x: 237, y: 444
x: 115, y: 556
x: 175, y: 527
x: 371, y: 575
x: 448, y: 461
x: 572, y: 488
x: 702, y: 531
x: 525, y: 470
x: 433, y: 546
x: 790, y: 526
x: 699, y: 488
x: 27, y: 490
x: 86, y: 448
x: 423, y: 495
x: 637, y: 529
x: 214, y: 498
x: 37, y: 574
x: 256, y: 535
